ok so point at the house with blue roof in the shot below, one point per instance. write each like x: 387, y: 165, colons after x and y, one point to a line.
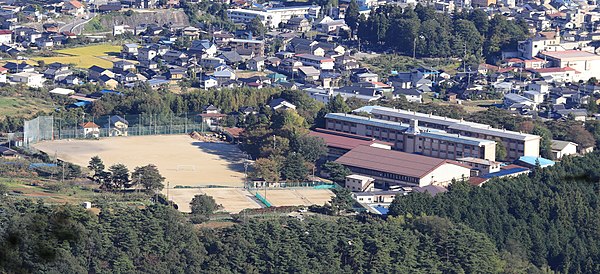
x: 531, y: 161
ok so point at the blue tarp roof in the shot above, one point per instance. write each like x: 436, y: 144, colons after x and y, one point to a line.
x: 504, y: 172
x: 105, y: 91
x: 81, y: 104
x: 531, y: 160
x: 382, y: 210
x: 34, y: 165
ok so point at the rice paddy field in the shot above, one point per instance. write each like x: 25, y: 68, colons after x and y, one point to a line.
x: 85, y: 57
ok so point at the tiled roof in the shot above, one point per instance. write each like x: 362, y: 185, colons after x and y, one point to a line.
x: 392, y: 161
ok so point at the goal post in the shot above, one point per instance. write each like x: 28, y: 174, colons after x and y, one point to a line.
x: 186, y: 168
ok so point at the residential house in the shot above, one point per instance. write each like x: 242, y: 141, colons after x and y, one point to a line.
x: 71, y: 80
x: 3, y: 72
x: 95, y: 72
x: 563, y: 148
x: 308, y: 74
x: 172, y: 56
x: 212, y: 116
x: 57, y: 71
x: 127, y: 77
x: 202, y: 48
x: 280, y: 103
x: 209, y: 82
x: 123, y: 66
x: 331, y: 26
x: 290, y: 66
x: 74, y: 8
x: 30, y: 79
x: 90, y: 130
x: 534, y: 96
x: 146, y: 54
x: 298, y: 24
x: 16, y: 67
x: 224, y: 73
x: 411, y: 94
x: 176, y: 74
x: 514, y: 101
x: 322, y: 63
x: 365, y: 77
x: 6, y: 36
x: 7, y: 153
x: 256, y: 64
x: 574, y: 113
x: 232, y: 58
x: 117, y: 126
x: 346, y: 63
x: 256, y: 46
x: 130, y: 50
x: 330, y: 79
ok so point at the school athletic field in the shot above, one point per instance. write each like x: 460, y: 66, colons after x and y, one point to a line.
x: 180, y: 159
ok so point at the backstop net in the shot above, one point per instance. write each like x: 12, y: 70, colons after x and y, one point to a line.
x: 63, y: 126
x: 38, y: 129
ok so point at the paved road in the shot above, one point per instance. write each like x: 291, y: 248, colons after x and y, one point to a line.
x: 76, y: 25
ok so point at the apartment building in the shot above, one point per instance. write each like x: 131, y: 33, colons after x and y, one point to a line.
x: 517, y: 144
x: 412, y: 138
x: 256, y: 46
x: 586, y: 63
x: 318, y: 62
x: 272, y: 17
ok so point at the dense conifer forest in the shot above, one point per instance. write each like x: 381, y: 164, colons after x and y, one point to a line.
x: 545, y: 221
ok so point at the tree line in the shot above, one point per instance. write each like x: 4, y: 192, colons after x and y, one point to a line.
x: 424, y: 32
x: 549, y: 218
x: 118, y: 176
x: 35, y: 237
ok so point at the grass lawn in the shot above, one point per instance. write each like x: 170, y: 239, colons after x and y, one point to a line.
x: 56, y: 192
x: 385, y: 63
x: 21, y: 106
x: 85, y: 57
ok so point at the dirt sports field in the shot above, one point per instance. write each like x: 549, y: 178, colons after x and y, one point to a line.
x: 233, y: 200
x: 297, y: 196
x: 181, y: 160
x: 184, y: 161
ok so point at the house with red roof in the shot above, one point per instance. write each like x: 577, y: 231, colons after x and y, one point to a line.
x: 3, y: 72
x: 90, y: 130
x: 319, y: 62
x: 6, y: 36
x: 74, y: 8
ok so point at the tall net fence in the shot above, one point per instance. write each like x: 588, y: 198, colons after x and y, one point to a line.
x: 38, y: 129
x: 71, y: 127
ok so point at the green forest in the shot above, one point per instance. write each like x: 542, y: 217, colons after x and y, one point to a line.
x: 538, y: 223
x: 550, y: 218
x: 51, y: 239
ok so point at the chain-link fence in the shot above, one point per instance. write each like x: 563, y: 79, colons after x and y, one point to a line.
x: 69, y: 127
x: 38, y: 129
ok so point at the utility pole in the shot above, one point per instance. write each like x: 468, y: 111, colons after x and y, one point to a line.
x: 168, y: 185
x: 415, y: 47
x: 464, y: 60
